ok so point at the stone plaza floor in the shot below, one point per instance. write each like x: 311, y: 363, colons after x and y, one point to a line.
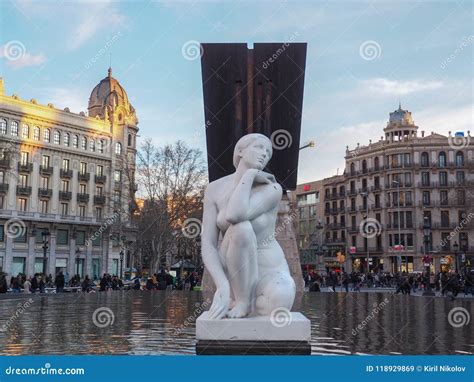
x: 144, y: 322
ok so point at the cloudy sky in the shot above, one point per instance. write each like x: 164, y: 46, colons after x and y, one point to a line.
x: 363, y: 58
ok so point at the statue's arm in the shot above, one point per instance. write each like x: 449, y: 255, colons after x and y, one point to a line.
x: 209, y: 240
x: 243, y: 205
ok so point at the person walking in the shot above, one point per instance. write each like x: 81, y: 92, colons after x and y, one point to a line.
x: 59, y: 281
x: 27, y: 286
x: 345, y: 281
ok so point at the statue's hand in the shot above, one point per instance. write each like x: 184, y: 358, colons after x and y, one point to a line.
x: 264, y: 177
x: 220, y: 303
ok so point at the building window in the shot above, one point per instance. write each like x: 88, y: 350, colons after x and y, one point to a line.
x: 443, y: 197
x: 425, y: 160
x: 36, y: 133
x: 443, y: 178
x: 82, y: 188
x: 352, y: 169
x: 442, y: 159
x: 23, y: 236
x: 98, y: 213
x: 65, y: 165
x: 92, y: 145
x: 66, y: 139
x: 46, y: 135
x: 445, y: 219
x: 75, y: 141
x: 118, y: 148
x: 459, y: 159
x: 118, y: 175
x: 302, y: 212
x: 24, y: 156
x: 64, y: 209
x: 65, y: 186
x: 376, y: 163
x: 44, y: 206
x: 116, y: 196
x: 100, y: 146
x: 80, y: 238
x: 99, y: 170
x: 23, y: 180
x: 62, y: 237
x: 2, y: 177
x: 56, y: 137
x: 84, y: 143
x: 2, y: 201
x: 312, y: 211
x: 83, y: 168
x: 14, y: 129
x: 25, y: 131
x: 82, y: 211
x: 98, y: 190
x: 461, y: 196
x: 425, y: 179
x: 44, y: 182
x: 21, y: 204
x: 426, y: 198
x: 45, y: 161
x: 3, y: 126
x: 364, y: 166
x: 460, y: 177
x: 97, y: 241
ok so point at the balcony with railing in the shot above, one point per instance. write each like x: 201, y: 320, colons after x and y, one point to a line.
x: 25, y: 167
x: 5, y: 163
x: 65, y: 195
x: 23, y: 190
x: 428, y: 184
x: 395, y: 204
x: 3, y: 188
x: 65, y: 173
x: 83, y: 176
x: 100, y: 179
x: 45, y: 192
x: 46, y: 170
x: 428, y: 203
x: 99, y: 199
x: 82, y: 198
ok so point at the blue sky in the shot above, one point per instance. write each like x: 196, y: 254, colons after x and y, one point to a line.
x: 363, y: 57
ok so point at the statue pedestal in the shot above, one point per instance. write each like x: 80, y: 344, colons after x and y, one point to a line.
x: 253, y: 335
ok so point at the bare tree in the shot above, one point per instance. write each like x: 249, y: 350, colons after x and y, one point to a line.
x: 172, y: 179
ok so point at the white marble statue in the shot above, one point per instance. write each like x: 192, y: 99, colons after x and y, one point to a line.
x: 247, y: 265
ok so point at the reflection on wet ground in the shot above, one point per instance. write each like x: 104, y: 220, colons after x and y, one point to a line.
x: 163, y: 323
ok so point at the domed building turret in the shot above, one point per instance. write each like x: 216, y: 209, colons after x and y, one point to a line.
x: 109, y: 99
x: 400, y: 126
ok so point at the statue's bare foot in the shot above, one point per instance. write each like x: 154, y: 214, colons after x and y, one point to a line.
x: 240, y: 309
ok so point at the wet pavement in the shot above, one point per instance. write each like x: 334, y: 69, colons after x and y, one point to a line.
x: 144, y: 322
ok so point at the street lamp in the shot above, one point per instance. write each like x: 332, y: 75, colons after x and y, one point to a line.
x: 456, y: 254
x: 399, y: 229
x: 309, y: 144
x: 45, y: 247
x: 366, y: 194
x: 427, y: 258
x: 78, y: 252
x: 121, y: 263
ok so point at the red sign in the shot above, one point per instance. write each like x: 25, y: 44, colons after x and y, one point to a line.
x: 306, y: 187
x: 398, y: 247
x: 352, y: 249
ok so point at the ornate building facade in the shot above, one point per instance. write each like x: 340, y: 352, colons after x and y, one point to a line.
x: 403, y: 197
x: 67, y: 184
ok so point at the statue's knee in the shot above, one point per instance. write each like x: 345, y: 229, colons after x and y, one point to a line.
x: 274, y: 293
x: 243, y: 232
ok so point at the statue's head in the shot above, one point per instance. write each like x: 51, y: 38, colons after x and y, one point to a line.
x: 254, y: 150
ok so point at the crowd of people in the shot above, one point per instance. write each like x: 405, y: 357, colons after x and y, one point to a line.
x: 39, y: 283
x: 450, y: 282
